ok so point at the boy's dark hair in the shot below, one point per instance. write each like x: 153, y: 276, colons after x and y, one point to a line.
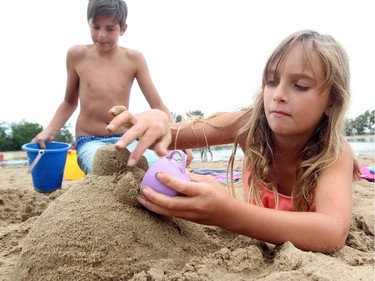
x: 108, y: 8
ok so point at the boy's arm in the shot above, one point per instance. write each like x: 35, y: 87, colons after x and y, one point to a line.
x: 69, y: 104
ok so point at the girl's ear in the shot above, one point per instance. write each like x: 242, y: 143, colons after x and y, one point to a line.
x: 328, y: 110
x: 329, y: 106
x: 123, y: 29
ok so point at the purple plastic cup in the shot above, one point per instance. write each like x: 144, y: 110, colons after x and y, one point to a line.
x: 170, y: 166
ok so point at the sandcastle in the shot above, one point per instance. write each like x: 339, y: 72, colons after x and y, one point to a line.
x: 97, y: 230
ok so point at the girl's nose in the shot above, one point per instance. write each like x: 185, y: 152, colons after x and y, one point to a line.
x: 280, y: 93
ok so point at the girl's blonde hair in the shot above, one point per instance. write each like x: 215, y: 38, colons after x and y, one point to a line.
x: 323, y: 149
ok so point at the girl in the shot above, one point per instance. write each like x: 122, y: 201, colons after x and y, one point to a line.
x: 298, y: 168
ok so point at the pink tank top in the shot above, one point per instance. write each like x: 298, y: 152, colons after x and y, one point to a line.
x: 269, y: 201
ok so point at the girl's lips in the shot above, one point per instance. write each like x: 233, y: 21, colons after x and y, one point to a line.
x: 278, y: 113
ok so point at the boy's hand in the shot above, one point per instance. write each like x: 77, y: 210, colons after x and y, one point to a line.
x: 189, y: 157
x: 356, y: 169
x: 151, y: 127
x: 42, y: 138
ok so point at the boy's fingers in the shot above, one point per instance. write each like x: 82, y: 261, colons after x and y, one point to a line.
x: 42, y: 144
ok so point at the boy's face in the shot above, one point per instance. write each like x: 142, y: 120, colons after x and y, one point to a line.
x: 105, y: 32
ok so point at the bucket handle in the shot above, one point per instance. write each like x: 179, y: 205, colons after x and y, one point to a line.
x: 183, y: 159
x: 36, y: 160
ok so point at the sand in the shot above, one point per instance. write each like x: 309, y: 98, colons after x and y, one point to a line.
x: 93, y: 229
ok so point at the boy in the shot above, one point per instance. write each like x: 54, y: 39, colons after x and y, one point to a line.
x: 101, y: 75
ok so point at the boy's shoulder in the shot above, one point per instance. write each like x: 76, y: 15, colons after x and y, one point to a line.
x: 82, y: 48
x: 130, y: 53
x: 78, y: 50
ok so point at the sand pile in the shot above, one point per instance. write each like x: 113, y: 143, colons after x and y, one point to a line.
x: 95, y: 230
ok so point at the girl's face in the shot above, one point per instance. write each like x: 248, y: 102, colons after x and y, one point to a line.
x: 105, y: 32
x: 294, y: 97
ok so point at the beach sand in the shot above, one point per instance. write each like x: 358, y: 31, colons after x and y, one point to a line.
x: 93, y: 229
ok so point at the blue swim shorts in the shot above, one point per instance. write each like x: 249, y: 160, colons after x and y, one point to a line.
x: 86, y: 147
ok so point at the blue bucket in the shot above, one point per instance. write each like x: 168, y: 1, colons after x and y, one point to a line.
x: 47, y: 165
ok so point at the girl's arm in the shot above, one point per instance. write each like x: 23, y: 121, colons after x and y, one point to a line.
x: 206, y: 202
x: 153, y: 130
x: 325, y: 230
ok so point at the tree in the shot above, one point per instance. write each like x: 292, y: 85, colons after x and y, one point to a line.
x: 5, y: 141
x: 370, y: 121
x: 178, y: 117
x: 13, y: 136
x: 23, y: 132
x: 362, y: 125
x: 349, y: 128
x: 65, y: 135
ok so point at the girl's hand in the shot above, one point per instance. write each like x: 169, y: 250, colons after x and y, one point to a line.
x: 151, y: 127
x: 204, y: 200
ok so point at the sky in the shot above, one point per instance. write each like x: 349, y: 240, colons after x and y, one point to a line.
x: 205, y: 55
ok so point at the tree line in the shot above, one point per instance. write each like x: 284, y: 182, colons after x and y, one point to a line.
x: 14, y: 135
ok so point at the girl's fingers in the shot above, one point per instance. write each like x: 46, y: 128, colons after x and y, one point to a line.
x: 116, y: 110
x: 150, y: 128
x: 124, y: 118
x: 164, y: 204
x: 160, y: 147
x: 192, y: 188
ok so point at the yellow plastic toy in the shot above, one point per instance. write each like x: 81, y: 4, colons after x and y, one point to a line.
x: 72, y: 171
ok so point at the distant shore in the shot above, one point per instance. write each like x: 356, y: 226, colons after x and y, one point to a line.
x: 360, y: 137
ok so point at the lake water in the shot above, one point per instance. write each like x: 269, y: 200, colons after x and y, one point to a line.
x: 361, y: 147
x: 14, y: 162
x: 222, y: 153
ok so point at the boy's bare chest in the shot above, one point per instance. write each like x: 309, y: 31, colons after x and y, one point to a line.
x: 105, y: 69
x: 104, y: 77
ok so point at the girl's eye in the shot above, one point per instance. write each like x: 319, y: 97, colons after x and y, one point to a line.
x: 271, y: 82
x: 301, y: 88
